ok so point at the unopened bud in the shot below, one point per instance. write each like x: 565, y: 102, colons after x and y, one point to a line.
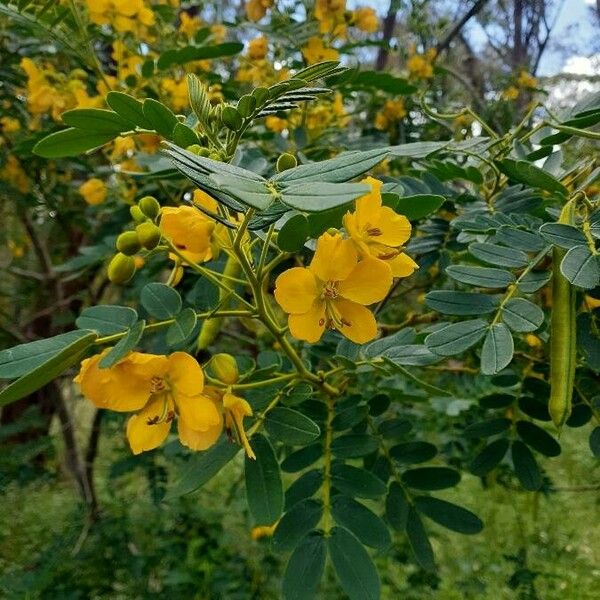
x: 149, y: 235
x: 121, y: 268
x: 149, y: 206
x: 286, y: 161
x: 136, y: 214
x: 225, y: 368
x: 128, y: 243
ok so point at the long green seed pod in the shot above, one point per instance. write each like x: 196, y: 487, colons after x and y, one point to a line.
x: 563, y: 333
x: 211, y: 327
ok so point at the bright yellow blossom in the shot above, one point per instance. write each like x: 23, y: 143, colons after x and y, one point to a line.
x: 219, y: 31
x: 526, y: 80
x: 331, y: 16
x: 333, y: 292
x: 122, y: 15
x: 189, y: 25
x: 392, y: 112
x: 315, y: 51
x: 257, y: 48
x: 177, y: 92
x: 236, y: 409
x: 189, y: 230
x: 365, y: 19
x: 510, y: 93
x: 420, y: 66
x: 379, y: 232
x: 9, y: 124
x: 13, y: 173
x: 156, y: 388
x: 93, y: 191
x: 276, y: 124
x: 257, y: 9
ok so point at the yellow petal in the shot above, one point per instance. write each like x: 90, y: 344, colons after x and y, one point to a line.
x: 185, y: 374
x: 236, y: 409
x: 296, y: 290
x: 199, y: 412
x: 391, y: 229
x: 201, y: 440
x: 403, y: 265
x: 359, y: 323
x: 187, y: 228
x: 149, y: 428
x: 334, y: 258
x: 368, y: 206
x: 369, y: 282
x: 310, y: 325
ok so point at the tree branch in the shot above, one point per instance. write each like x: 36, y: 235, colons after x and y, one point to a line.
x: 445, y: 42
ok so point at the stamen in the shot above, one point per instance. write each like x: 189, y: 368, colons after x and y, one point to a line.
x: 374, y: 231
x: 157, y: 384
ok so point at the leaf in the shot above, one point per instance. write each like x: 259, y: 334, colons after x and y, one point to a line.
x: 160, y: 117
x: 396, y: 507
x: 304, y: 487
x: 248, y: 191
x: 318, y: 70
x: 356, y: 482
x: 349, y: 418
x: 538, y: 439
x: 418, y: 206
x: 524, y: 172
x: 305, y: 568
x: 413, y: 452
x: 47, y: 370
x: 107, y: 319
x: 400, y: 338
x: 418, y: 540
x: 124, y: 346
x: 448, y: 515
x: 202, y: 467
x: 296, y: 523
x: 353, y: 566
x: 294, y: 232
x: 128, y: 108
x: 184, y: 136
x: 296, y: 461
x: 522, y: 315
x: 498, y: 255
x: 291, y: 427
x: 70, y: 142
x: 487, y: 428
x: 21, y: 359
x: 264, y: 489
x: 411, y: 355
x: 180, y: 56
x: 489, y: 458
x: 594, y: 442
x: 497, y: 350
x: 481, y: 276
x: 457, y: 337
x: 417, y: 149
x: 563, y: 235
x: 431, y: 478
x: 581, y: 267
x: 95, y: 120
x: 533, y: 281
x: 160, y: 301
x: 526, y: 467
x: 394, y: 428
x: 460, y: 303
x: 318, y: 197
x: 519, y: 239
x: 362, y: 522
x: 340, y: 169
x: 182, y: 328
x: 354, y: 445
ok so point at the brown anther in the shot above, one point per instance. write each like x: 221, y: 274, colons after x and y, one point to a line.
x: 157, y: 384
x: 346, y: 323
x: 388, y: 255
x: 321, y: 322
x: 153, y: 420
x: 170, y: 416
x: 374, y: 231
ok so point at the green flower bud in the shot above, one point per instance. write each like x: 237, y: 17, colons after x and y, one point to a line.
x: 149, y: 235
x: 231, y: 118
x: 149, y: 206
x: 225, y: 368
x: 121, y: 268
x: 198, y: 150
x: 136, y: 214
x: 286, y: 161
x: 128, y: 243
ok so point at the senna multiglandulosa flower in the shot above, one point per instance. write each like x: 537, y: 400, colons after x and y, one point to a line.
x: 236, y: 409
x: 189, y: 230
x: 157, y: 388
x: 379, y: 232
x: 333, y: 292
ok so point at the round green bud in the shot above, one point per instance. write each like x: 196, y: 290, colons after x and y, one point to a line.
x: 286, y: 161
x: 121, y: 268
x: 231, y: 118
x: 149, y: 235
x: 136, y: 214
x: 128, y: 243
x: 149, y: 206
x: 224, y: 368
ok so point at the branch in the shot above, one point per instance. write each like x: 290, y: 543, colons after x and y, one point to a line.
x: 445, y: 42
x: 389, y: 23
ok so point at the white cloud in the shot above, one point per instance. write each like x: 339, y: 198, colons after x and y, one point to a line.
x: 583, y: 65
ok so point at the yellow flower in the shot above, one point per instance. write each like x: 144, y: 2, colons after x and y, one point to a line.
x: 379, y: 232
x: 257, y: 48
x: 219, y: 32
x: 13, y: 173
x: 177, y: 92
x: 590, y: 302
x: 263, y: 531
x: 333, y: 292
x: 122, y: 15
x: 510, y: 93
x: 533, y: 341
x: 420, y: 66
x: 189, y: 230
x: 392, y: 112
x: 157, y: 388
x: 123, y: 147
x: 9, y: 124
x: 189, y: 25
x: 93, y: 191
x: 236, y: 409
x: 330, y: 14
x: 365, y: 18
x: 526, y: 80
x: 277, y: 124
x: 315, y: 51
x: 257, y: 9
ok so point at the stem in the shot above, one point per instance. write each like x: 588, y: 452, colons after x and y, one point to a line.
x: 327, y: 521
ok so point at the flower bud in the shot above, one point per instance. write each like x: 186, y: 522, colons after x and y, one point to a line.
x: 128, y: 243
x: 231, y: 118
x: 149, y: 235
x: 136, y: 214
x: 149, y: 206
x: 224, y: 368
x: 198, y: 150
x: 286, y: 161
x: 121, y: 268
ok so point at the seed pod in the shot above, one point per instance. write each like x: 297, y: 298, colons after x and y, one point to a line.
x: 563, y: 333
x: 246, y: 105
x: 136, y: 214
x: 121, y: 268
x: 286, y: 161
x: 231, y: 118
x: 149, y: 235
x: 224, y: 368
x: 149, y: 206
x: 128, y: 243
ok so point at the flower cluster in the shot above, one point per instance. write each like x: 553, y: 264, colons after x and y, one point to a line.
x: 347, y: 274
x: 420, y: 66
x: 123, y: 15
x: 393, y: 112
